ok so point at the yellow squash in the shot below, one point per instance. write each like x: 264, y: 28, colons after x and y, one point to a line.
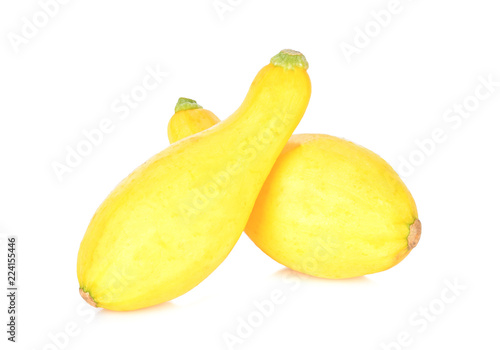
x: 171, y: 222
x: 189, y: 118
x: 329, y: 208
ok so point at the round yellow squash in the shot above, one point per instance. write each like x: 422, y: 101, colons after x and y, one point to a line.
x: 333, y: 209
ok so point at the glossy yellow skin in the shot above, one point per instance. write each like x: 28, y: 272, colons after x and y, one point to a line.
x: 332, y: 209
x: 171, y: 222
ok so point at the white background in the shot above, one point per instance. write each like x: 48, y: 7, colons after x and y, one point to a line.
x: 393, y: 93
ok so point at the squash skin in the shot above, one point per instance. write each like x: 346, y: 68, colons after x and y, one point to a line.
x: 187, y: 122
x: 173, y: 220
x: 332, y: 209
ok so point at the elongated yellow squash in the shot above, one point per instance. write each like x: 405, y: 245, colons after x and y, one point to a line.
x: 329, y: 208
x: 171, y: 222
